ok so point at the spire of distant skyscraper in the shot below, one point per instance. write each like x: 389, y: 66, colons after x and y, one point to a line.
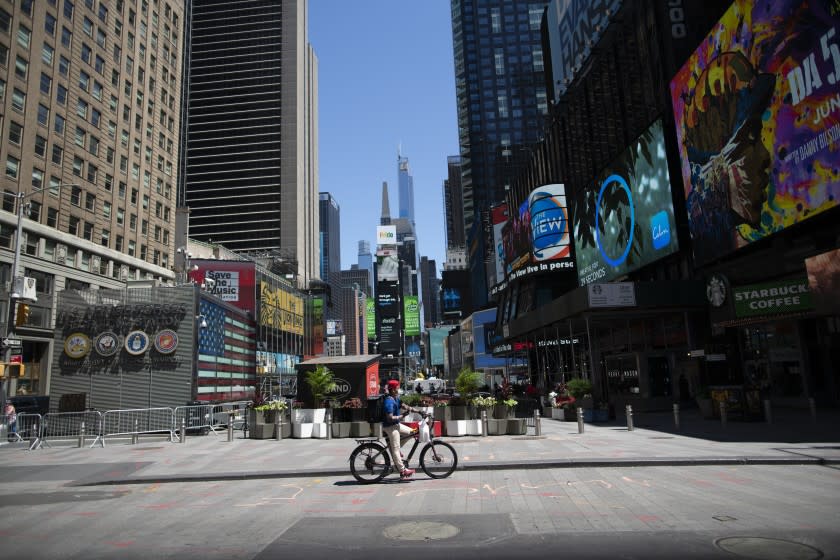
x: 385, y: 218
x: 406, y: 188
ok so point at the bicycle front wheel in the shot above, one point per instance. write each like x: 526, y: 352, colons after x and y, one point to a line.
x: 438, y: 459
x: 370, y: 463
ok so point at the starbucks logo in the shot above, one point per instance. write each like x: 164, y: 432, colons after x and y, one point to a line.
x: 716, y: 290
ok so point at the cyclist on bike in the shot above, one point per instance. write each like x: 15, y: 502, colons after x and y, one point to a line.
x: 392, y: 427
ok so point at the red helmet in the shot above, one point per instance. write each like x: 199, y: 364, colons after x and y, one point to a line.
x: 393, y: 383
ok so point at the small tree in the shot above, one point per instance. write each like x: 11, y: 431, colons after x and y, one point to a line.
x: 579, y: 387
x: 320, y: 382
x: 467, y: 382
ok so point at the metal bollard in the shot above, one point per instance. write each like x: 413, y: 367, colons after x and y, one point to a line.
x: 628, y: 410
x: 135, y: 437
x: 278, y: 425
x: 768, y: 413
x: 580, y: 420
x: 723, y: 413
x: 230, y: 427
x: 484, y: 428
x: 537, y: 423
x: 813, y: 406
x: 328, y: 418
x: 677, y: 416
x: 82, y: 435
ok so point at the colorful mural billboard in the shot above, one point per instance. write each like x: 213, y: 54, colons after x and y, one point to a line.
x: 757, y: 111
x: 626, y: 220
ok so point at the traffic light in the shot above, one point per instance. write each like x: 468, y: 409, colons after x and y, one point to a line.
x: 23, y: 312
x: 13, y: 370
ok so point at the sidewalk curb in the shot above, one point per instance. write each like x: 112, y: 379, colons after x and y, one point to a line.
x: 476, y: 466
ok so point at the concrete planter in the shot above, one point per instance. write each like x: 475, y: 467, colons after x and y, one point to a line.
x: 516, y: 426
x: 261, y: 431
x: 341, y: 429
x: 473, y: 427
x: 496, y: 427
x: 302, y: 430
x: 456, y: 428
x: 359, y: 429
x: 558, y: 414
x: 319, y: 430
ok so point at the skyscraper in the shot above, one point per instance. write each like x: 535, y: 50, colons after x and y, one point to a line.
x: 501, y: 97
x: 365, y: 262
x: 430, y: 287
x: 453, y: 205
x: 251, y: 136
x: 329, y: 220
x: 405, y: 181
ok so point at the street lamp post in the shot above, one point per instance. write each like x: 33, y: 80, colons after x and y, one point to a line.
x: 19, y: 197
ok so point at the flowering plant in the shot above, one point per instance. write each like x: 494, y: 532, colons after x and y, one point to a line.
x: 510, y: 403
x: 272, y: 405
x: 441, y: 403
x: 561, y: 397
x: 484, y: 402
x: 355, y: 402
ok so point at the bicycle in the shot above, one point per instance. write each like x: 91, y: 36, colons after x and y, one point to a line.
x: 371, y: 460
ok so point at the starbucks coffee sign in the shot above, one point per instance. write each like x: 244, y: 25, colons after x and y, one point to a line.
x: 772, y: 298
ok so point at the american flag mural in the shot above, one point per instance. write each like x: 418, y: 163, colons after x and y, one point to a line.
x: 226, y: 355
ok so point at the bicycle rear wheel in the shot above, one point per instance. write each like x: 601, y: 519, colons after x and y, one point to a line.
x: 438, y: 459
x: 370, y: 463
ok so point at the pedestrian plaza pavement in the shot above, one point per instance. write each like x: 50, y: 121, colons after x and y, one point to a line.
x: 794, y: 437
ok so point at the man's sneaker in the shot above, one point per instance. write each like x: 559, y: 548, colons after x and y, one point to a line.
x: 407, y: 473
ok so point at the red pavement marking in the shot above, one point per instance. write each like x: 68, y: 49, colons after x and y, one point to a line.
x: 165, y: 505
x: 647, y: 518
x: 733, y: 479
x: 120, y: 544
x: 333, y: 510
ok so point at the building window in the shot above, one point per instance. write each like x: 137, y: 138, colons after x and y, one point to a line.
x: 105, y: 239
x: 61, y: 95
x: 76, y: 196
x: 21, y: 67
x: 132, y: 247
x: 43, y: 115
x: 106, y: 210
x: 57, y: 154
x: 120, y: 217
x: 47, y: 54
x: 15, y: 133
x: 18, y: 100
x: 63, y: 66
x: 52, y: 217
x: 23, y: 36
x: 12, y: 167
x: 40, y: 146
x: 119, y: 244
x: 59, y: 124
x: 37, y: 178
x: 88, y: 231
x: 73, y: 228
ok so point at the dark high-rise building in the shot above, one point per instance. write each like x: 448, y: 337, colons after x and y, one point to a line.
x: 405, y: 181
x: 501, y: 96
x: 430, y: 286
x: 250, y: 169
x: 354, y: 289
x: 453, y: 205
x: 329, y: 226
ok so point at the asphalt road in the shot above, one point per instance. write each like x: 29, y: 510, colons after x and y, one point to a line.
x: 737, y: 511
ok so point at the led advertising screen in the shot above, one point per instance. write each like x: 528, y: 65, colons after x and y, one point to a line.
x: 627, y: 219
x: 411, y: 313
x: 757, y: 111
x: 231, y: 281
x: 536, y: 237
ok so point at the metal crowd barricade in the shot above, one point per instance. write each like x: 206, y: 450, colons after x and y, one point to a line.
x: 221, y: 415
x: 194, y: 417
x: 133, y: 422
x: 27, y: 427
x: 65, y: 427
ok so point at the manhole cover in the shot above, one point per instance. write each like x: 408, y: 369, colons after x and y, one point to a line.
x: 420, y: 531
x: 768, y: 549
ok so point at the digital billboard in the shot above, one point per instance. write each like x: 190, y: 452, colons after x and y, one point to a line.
x: 231, y: 281
x: 757, y: 112
x: 536, y: 237
x: 388, y: 318
x: 370, y: 318
x: 411, y: 313
x: 626, y: 220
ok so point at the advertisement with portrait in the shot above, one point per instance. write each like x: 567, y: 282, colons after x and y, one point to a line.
x: 824, y: 281
x: 626, y: 220
x: 757, y: 112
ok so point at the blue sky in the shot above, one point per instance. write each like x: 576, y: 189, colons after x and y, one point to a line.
x: 385, y: 80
